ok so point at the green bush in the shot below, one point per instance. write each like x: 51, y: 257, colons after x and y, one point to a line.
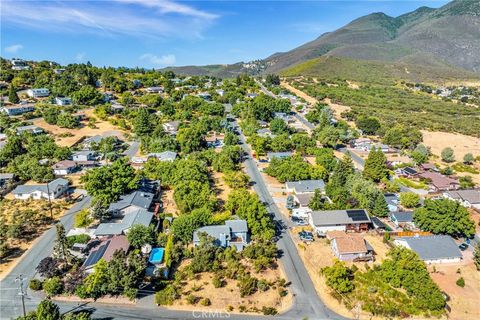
x: 269, y: 311
x: 191, y: 299
x: 205, y: 302
x: 166, y: 296
x: 80, y: 238
x: 83, y: 219
x: 247, y: 285
x: 218, y: 282
x: 460, y: 282
x: 35, y: 284
x: 53, y: 286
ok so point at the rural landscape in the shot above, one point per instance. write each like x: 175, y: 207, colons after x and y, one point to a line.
x: 337, y: 180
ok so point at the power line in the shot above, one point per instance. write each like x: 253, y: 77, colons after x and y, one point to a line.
x: 22, y: 293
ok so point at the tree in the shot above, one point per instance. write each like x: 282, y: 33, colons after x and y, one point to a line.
x: 380, y: 206
x: 318, y: 201
x: 191, y: 139
x: 468, y: 158
x: 184, y: 226
x: 230, y: 139
x: 375, y: 166
x: 278, y: 126
x: 444, y: 216
x: 47, y: 267
x: 107, y: 183
x: 96, y: 283
x: 368, y: 125
x: 143, y: 124
x: 190, y: 194
x: 420, y: 154
x: 466, y: 182
x: 476, y: 256
x: 168, y: 251
x: 47, y: 310
x: 448, y: 155
x: 236, y: 179
x: 53, y: 286
x: 338, y: 277
x: 12, y: 95
x: 409, y: 199
x: 87, y: 95
x: 272, y: 79
x: 402, y: 137
x: 140, y: 235
x: 60, y: 248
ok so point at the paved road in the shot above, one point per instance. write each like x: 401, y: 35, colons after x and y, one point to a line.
x: 132, y: 149
x: 307, y: 303
x: 265, y: 90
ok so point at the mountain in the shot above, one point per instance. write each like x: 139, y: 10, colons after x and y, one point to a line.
x: 450, y: 34
x: 443, y: 41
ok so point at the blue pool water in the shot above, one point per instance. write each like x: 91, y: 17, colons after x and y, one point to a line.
x: 156, y: 256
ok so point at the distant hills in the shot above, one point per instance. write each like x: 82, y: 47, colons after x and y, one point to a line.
x: 443, y: 39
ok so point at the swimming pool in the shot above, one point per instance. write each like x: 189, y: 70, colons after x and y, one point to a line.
x: 156, y: 256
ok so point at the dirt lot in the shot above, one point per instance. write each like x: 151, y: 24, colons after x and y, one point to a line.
x: 169, y: 205
x: 463, y: 301
x: 38, y: 227
x: 461, y: 144
x: 222, y: 298
x: 221, y: 189
x: 103, y: 128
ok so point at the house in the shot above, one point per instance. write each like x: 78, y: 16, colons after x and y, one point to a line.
x: 38, y: 92
x: 52, y: 190
x: 63, y: 101
x: 107, y: 96
x: 19, y: 64
x: 58, y: 71
x: 262, y: 124
x: 439, y: 182
x: 432, y: 249
x: 138, y: 216
x: 169, y: 156
x: 154, y: 89
x: 350, y: 247
x: 220, y: 92
x: 278, y: 155
x: 232, y: 233
x: 228, y: 107
x: 84, y: 156
x: 142, y: 198
x: 33, y: 129
x: 428, y: 167
x: 105, y: 250
x: 171, y: 127
x: 6, y: 178
x: 402, y: 219
x: 392, y: 201
x: 252, y: 95
x: 305, y: 186
x: 64, y: 167
x: 468, y: 198
x: 303, y: 199
x: 205, y: 96
x: 79, y: 116
x: 341, y: 220
x: 265, y: 132
x: 89, y: 142
x: 282, y: 116
x: 407, y: 172
x: 117, y: 108
x: 18, y: 109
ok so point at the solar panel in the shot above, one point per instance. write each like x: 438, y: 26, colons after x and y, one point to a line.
x: 96, y: 255
x: 357, y: 215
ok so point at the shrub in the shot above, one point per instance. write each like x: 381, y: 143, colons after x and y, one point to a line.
x: 166, y: 296
x: 205, y: 302
x: 460, y: 282
x: 409, y: 199
x: 53, y: 286
x: 247, y: 285
x: 263, y: 285
x: 83, y: 219
x: 448, y: 155
x: 80, y: 238
x: 282, y: 292
x: 35, y: 284
x: 218, y: 282
x: 191, y: 299
x: 269, y: 311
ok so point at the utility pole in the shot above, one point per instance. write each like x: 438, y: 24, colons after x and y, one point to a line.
x: 21, y: 293
x: 49, y: 201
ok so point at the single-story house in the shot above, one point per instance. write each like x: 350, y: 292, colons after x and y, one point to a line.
x: 439, y: 182
x: 278, y: 155
x: 33, y: 129
x: 38, y: 92
x: 432, y: 249
x: 252, y: 95
x: 232, y: 233
x: 84, y: 155
x: 305, y: 186
x: 282, y: 116
x: 117, y: 108
x: 122, y: 225
x: 350, y: 247
x: 5, y: 178
x: 303, y: 199
x: 164, y: 156
x: 154, y: 89
x: 468, y: 198
x: 142, y: 198
x: 356, y: 220
x: 171, y: 127
x: 63, y: 101
x: 392, y: 201
x: 18, y: 109
x: 407, y: 171
x: 19, y: 64
x: 105, y: 250
x: 402, y: 218
x: 64, y: 167
x: 52, y: 190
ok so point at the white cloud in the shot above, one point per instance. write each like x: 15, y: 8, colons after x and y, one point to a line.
x: 13, y: 48
x: 80, y: 57
x: 166, y: 60
x: 118, y: 17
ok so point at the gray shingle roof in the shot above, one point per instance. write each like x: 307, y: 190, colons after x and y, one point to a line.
x: 139, y: 216
x: 53, y: 185
x: 339, y: 217
x: 220, y: 232
x: 471, y: 196
x: 279, y: 154
x: 433, y: 247
x: 304, y: 186
x: 237, y: 225
x: 164, y: 156
x: 138, y: 199
x: 403, y: 216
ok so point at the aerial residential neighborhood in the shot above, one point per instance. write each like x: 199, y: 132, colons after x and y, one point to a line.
x: 337, y: 180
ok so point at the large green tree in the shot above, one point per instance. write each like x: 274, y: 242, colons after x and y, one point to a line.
x: 12, y: 95
x: 375, y: 166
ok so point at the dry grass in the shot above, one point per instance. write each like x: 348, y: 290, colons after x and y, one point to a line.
x: 79, y: 133
x: 461, y: 144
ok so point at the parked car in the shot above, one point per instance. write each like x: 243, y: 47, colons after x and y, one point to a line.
x: 463, y: 246
x: 306, y: 236
x: 299, y: 221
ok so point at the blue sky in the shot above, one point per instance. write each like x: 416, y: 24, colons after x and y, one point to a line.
x: 159, y: 33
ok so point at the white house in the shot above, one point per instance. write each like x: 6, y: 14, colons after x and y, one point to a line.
x: 52, y: 190
x: 432, y: 249
x: 38, y: 92
x: 468, y: 198
x: 304, y: 186
x: 154, y: 89
x: 171, y: 127
x: 63, y: 101
x: 339, y: 220
x: 64, y: 167
x: 18, y: 109
x: 33, y: 129
x: 19, y: 64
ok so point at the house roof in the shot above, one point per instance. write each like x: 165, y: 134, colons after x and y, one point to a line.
x: 279, y: 154
x: 173, y: 124
x: 378, y: 223
x: 164, y: 156
x: 6, y: 176
x: 339, y: 217
x: 304, y: 186
x: 53, y: 185
x: 31, y: 127
x: 471, y: 196
x: 64, y: 164
x: 438, y: 180
x: 391, y: 199
x: 402, y: 216
x: 303, y: 199
x: 138, y: 216
x: 432, y: 247
x: 349, y: 243
x: 218, y: 232
x: 237, y: 225
x: 410, y: 170
x: 428, y: 166
x: 140, y: 199
x: 83, y: 153
x: 106, y: 249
